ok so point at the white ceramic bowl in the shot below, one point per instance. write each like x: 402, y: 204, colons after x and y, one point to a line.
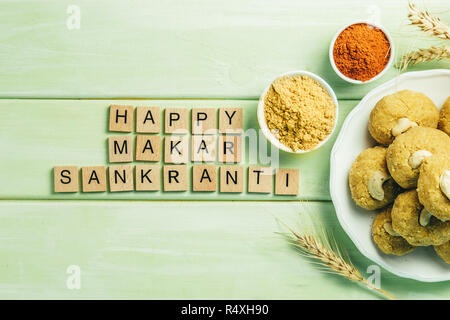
x: 262, y: 121
x: 422, y: 264
x: 388, y: 65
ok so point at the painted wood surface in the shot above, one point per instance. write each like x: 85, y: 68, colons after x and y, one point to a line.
x: 156, y: 250
x: 39, y: 134
x: 172, y: 49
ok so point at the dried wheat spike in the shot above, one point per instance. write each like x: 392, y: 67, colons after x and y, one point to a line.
x: 318, y: 247
x: 428, y: 23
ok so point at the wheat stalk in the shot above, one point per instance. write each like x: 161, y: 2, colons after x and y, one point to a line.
x: 424, y: 55
x: 428, y: 23
x: 329, y: 257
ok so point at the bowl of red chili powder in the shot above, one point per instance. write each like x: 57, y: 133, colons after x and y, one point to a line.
x: 361, y: 52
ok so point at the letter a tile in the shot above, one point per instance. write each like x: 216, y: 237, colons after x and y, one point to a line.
x: 94, y: 179
x: 148, y: 147
x: 203, y: 148
x: 230, y: 149
x: 204, y: 178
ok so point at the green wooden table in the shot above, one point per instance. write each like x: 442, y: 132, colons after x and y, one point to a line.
x: 216, y: 53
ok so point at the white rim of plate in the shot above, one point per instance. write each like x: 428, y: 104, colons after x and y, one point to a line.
x: 337, y: 144
x: 262, y: 121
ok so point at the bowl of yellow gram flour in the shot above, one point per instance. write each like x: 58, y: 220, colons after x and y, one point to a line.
x: 298, y: 112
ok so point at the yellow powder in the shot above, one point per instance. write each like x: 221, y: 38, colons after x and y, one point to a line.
x: 299, y: 112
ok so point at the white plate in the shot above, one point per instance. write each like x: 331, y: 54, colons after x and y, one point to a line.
x: 422, y: 264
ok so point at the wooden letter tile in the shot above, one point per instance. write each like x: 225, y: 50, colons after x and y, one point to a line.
x: 94, y: 179
x: 65, y: 178
x: 148, y: 148
x: 230, y: 120
x: 121, y: 178
x: 203, y: 148
x: 230, y: 149
x: 204, y: 121
x: 148, y: 119
x: 204, y: 178
x: 121, y: 118
x: 175, y: 178
x: 120, y: 149
x: 287, y: 181
x: 231, y: 179
x: 176, y: 120
x: 260, y: 179
x: 148, y: 177
x: 176, y: 149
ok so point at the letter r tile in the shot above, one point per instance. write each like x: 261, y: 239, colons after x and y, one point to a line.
x: 204, y: 177
x: 175, y: 178
x: 203, y: 148
x: 94, y: 179
x: 230, y: 149
x: 148, y: 119
x: 148, y: 147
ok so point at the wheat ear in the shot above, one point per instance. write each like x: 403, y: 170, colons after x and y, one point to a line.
x: 424, y: 55
x: 329, y: 257
x: 428, y: 23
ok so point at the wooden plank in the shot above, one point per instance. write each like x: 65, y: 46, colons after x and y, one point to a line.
x: 205, y: 48
x: 157, y: 250
x: 37, y: 135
